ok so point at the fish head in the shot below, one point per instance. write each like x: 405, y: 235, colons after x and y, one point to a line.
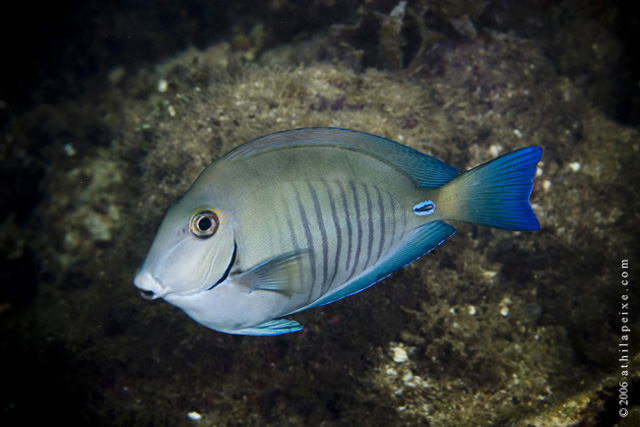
x: 192, y: 252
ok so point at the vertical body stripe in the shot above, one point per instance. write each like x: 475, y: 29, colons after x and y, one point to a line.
x: 347, y: 226
x: 347, y: 215
x: 338, y: 232
x: 292, y: 230
x: 323, y: 235
x: 383, y: 231
x: 356, y: 256
x: 369, y: 223
x: 308, y: 236
x: 394, y: 219
x: 294, y: 240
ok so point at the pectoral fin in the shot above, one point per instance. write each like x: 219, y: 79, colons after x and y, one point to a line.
x: 284, y: 273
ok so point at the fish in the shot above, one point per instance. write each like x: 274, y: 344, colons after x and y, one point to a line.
x: 304, y: 217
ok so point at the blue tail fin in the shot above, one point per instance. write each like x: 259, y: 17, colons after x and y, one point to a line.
x: 495, y: 193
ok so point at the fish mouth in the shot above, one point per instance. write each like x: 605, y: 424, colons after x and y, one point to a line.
x: 150, y: 287
x: 148, y: 295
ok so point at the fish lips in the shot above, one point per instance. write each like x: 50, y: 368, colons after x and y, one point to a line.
x: 150, y: 287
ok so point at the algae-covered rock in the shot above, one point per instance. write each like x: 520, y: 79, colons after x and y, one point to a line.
x: 492, y: 328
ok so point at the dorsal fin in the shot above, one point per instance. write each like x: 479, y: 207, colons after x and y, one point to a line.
x: 426, y: 171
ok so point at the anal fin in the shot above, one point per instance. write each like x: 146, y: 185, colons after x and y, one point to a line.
x: 272, y: 327
x: 418, y: 243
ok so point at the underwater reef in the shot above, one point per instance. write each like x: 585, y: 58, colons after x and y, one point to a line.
x: 492, y: 328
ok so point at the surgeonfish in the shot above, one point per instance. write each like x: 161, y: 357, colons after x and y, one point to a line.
x: 305, y: 217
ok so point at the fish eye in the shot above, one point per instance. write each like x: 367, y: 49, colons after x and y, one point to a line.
x: 204, y: 224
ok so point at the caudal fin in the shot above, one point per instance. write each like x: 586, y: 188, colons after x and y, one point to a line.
x: 495, y: 193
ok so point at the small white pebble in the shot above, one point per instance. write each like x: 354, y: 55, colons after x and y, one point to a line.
x: 472, y: 310
x: 516, y: 380
x: 489, y: 274
x: 172, y: 110
x: 193, y: 415
x: 504, y: 311
x: 400, y: 355
x: 162, y: 85
x: 575, y: 166
x: 546, y: 185
x: 517, y: 133
x: 495, y: 149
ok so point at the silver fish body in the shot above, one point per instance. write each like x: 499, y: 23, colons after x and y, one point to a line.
x: 304, y: 217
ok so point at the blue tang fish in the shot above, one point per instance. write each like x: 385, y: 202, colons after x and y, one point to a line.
x: 305, y: 217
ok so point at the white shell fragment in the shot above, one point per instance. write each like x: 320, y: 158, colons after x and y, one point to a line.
x: 193, y: 415
x: 575, y: 166
x: 400, y: 355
